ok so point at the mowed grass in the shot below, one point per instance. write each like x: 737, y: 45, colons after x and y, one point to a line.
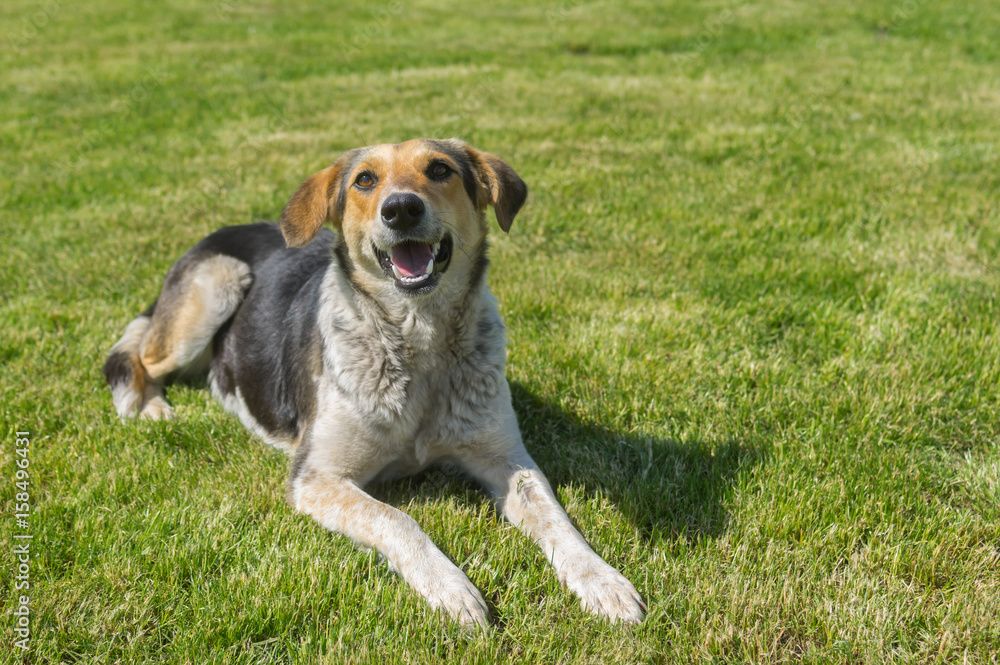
x: 752, y: 311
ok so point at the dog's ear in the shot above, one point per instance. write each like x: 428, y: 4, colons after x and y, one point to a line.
x: 317, y: 200
x: 499, y: 186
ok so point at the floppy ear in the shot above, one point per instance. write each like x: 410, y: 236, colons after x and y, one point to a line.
x: 317, y: 200
x: 499, y: 186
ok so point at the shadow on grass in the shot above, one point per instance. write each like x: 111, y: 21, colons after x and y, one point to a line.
x: 664, y: 488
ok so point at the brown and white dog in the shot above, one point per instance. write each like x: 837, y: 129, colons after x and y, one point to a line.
x: 366, y: 354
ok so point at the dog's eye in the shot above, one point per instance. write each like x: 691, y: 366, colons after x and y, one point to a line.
x: 365, y: 180
x: 439, y: 170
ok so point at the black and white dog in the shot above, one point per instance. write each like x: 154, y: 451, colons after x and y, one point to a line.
x: 368, y: 354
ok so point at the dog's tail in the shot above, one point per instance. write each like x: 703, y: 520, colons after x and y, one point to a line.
x: 132, y: 390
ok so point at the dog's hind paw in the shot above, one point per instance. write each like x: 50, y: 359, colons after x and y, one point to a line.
x: 157, y: 409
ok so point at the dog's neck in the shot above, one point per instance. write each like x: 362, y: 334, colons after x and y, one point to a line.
x: 384, y: 339
x: 426, y: 323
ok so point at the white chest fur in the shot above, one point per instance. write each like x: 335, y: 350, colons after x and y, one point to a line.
x: 415, y: 383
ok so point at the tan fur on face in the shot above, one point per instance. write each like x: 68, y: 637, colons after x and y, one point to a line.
x: 402, y: 168
x: 331, y: 195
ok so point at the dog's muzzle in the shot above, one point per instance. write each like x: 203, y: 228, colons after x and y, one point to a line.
x: 416, y: 267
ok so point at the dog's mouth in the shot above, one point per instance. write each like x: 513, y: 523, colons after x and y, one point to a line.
x: 416, y: 265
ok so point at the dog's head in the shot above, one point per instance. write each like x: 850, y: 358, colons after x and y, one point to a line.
x: 407, y: 212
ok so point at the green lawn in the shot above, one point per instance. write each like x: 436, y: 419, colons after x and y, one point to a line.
x: 752, y: 306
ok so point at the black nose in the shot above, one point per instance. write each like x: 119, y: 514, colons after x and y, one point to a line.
x: 402, y: 211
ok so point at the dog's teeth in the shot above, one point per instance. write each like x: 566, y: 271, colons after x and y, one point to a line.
x: 430, y: 268
x: 395, y: 271
x: 437, y: 248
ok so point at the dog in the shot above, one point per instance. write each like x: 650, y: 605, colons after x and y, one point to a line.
x: 368, y: 354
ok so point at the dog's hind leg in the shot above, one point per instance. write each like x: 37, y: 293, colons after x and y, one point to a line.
x: 131, y: 388
x: 174, y: 336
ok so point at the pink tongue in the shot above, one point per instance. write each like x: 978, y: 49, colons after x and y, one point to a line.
x: 412, y: 258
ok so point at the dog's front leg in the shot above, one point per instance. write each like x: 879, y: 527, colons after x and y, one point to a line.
x: 340, y: 505
x: 527, y: 500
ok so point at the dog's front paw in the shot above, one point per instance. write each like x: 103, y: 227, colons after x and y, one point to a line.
x: 605, y: 592
x: 446, y: 588
x: 462, y: 600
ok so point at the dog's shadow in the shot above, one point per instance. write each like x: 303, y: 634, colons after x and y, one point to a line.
x: 665, y: 488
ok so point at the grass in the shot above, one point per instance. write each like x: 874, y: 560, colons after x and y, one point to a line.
x: 752, y: 308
